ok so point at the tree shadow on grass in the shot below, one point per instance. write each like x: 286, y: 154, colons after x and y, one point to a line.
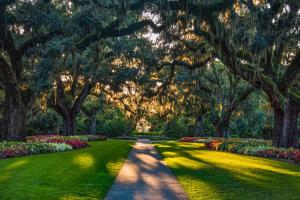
x: 85, y: 173
x: 217, y: 175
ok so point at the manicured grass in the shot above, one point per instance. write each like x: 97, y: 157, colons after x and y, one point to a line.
x: 80, y: 174
x: 210, y: 175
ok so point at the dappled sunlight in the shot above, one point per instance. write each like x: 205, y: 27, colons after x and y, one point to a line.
x: 16, y: 164
x: 199, y: 187
x: 4, y: 177
x: 186, y: 144
x: 170, y: 154
x: 129, y: 174
x: 220, y: 175
x: 252, y: 177
x: 12, y: 166
x: 84, y: 161
x: 145, y: 157
x: 184, y: 162
x: 224, y: 160
x: 113, y: 168
x: 164, y: 145
x: 80, y: 174
x: 74, y: 197
x: 143, y: 176
x: 231, y: 162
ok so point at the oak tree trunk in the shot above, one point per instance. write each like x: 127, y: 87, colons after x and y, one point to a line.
x: 222, y: 130
x: 92, y: 126
x: 68, y: 124
x: 285, y: 133
x: 14, y: 119
x: 198, y: 128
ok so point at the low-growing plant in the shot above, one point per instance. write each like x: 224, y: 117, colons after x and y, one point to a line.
x: 213, y: 145
x: 188, y: 139
x: 254, y: 147
x: 45, y: 144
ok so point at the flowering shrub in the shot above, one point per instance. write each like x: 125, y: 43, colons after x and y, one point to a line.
x: 46, y: 138
x: 188, y: 139
x: 237, y: 145
x: 87, y: 137
x: 10, y: 152
x: 75, y: 144
x: 296, y: 156
x: 42, y: 138
x: 251, y: 151
x: 206, y: 140
x: 45, y: 144
x: 279, y: 153
x: 252, y: 147
x: 96, y: 137
x: 37, y: 148
x: 16, y: 149
x: 213, y: 145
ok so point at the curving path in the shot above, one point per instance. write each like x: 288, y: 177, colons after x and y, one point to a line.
x: 145, y: 177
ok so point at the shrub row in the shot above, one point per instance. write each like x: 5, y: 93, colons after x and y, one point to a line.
x: 45, y: 144
x: 188, y: 139
x: 46, y: 138
x: 254, y: 147
x: 16, y: 149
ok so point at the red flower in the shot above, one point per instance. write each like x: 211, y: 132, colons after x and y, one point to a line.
x: 296, y: 156
x: 13, y: 152
x: 75, y: 144
x: 213, y: 145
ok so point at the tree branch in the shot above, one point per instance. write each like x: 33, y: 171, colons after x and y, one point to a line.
x: 115, y: 32
x: 291, y: 73
x: 37, y: 40
x: 82, y: 96
x: 185, y: 64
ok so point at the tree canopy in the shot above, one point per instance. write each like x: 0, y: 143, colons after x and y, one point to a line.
x: 161, y: 60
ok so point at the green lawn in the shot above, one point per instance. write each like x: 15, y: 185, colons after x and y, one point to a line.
x: 80, y: 174
x: 214, y: 175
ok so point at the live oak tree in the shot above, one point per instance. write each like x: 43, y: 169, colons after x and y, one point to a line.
x: 72, y: 78
x: 259, y: 42
x: 211, y: 93
x: 93, y: 105
x: 224, y: 92
x: 25, y: 26
x: 268, y: 58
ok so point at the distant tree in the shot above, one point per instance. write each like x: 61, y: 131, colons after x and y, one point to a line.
x: 90, y: 108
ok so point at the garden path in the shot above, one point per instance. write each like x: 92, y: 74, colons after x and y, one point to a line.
x: 144, y: 176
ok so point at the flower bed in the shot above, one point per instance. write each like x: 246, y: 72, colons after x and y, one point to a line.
x: 254, y: 147
x: 188, y: 139
x: 213, y: 145
x: 46, y: 138
x: 16, y: 149
x: 74, y: 143
x: 45, y: 144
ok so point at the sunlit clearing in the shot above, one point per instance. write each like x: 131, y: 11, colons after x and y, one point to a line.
x: 84, y: 161
x: 16, y: 164
x: 183, y: 162
x: 71, y: 197
x: 113, y: 169
x: 4, y: 177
